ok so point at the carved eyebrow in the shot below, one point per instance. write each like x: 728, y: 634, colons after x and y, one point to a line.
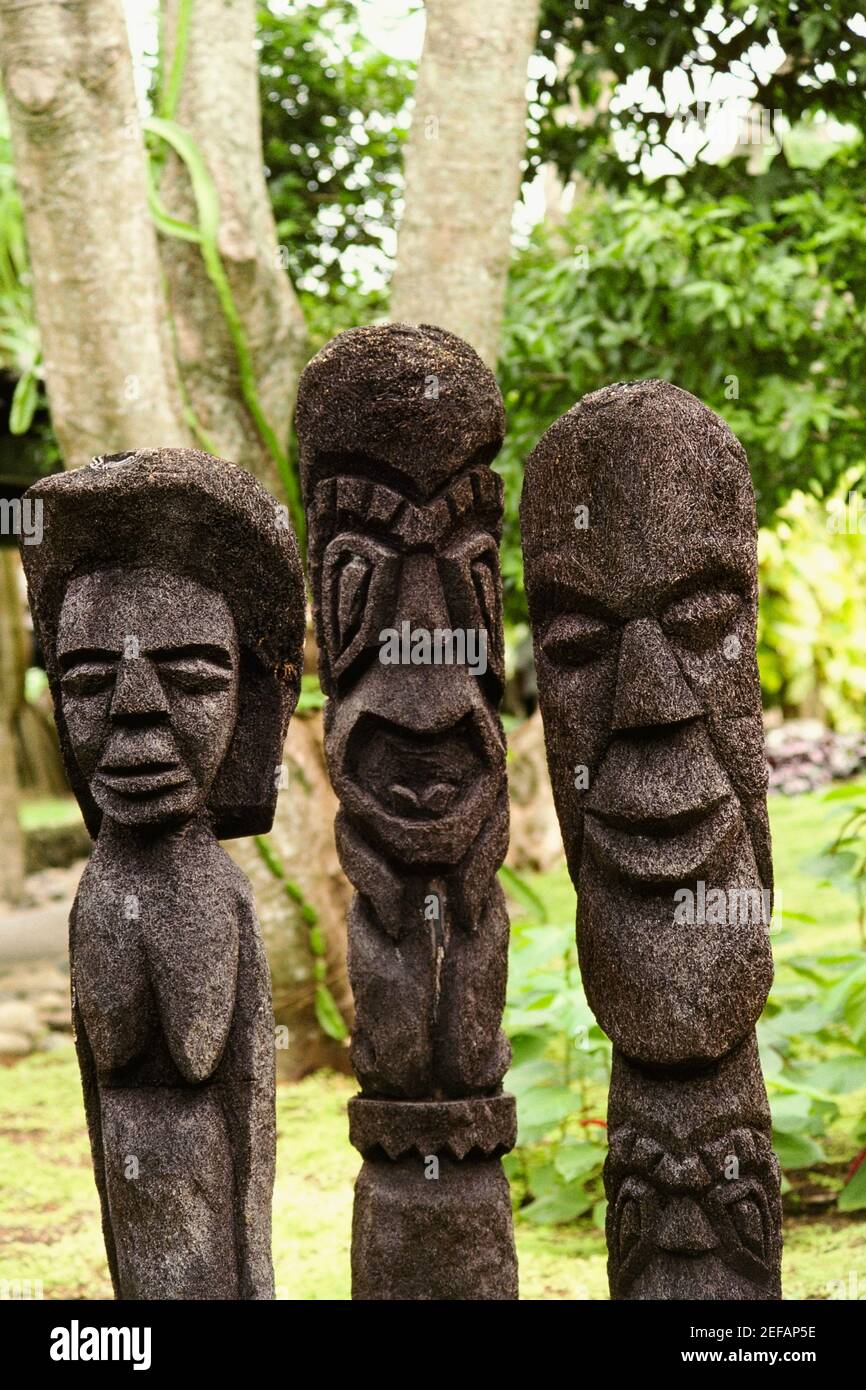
x: 706, y: 578
x: 193, y: 651
x: 554, y: 587
x: 97, y: 655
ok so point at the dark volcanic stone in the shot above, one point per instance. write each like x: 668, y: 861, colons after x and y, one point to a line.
x: 425, y: 1237
x: 692, y: 1181
x: 184, y: 513
x: 397, y: 427
x: 168, y: 602
x: 484, y: 1125
x: 639, y: 540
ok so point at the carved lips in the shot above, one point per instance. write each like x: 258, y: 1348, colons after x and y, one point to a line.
x: 661, y: 807
x: 423, y: 792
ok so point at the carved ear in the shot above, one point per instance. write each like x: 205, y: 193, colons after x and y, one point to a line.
x: 244, y: 794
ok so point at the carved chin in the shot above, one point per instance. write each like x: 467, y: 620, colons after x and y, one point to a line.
x: 147, y: 799
x: 664, y: 850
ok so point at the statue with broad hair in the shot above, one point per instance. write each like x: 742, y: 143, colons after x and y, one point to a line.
x: 168, y: 602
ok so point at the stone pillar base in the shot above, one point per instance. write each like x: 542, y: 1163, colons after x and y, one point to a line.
x: 419, y: 1236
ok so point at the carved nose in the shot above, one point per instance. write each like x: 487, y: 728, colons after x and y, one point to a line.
x: 683, y: 1229
x: 138, y: 693
x: 650, y: 688
x: 421, y: 598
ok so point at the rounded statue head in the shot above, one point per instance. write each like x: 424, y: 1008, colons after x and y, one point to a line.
x: 397, y: 426
x: 168, y: 601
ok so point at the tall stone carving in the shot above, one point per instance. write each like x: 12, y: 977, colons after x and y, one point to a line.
x: 639, y: 541
x: 168, y: 602
x: 397, y: 428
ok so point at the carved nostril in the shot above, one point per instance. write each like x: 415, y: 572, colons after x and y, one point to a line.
x: 138, y: 694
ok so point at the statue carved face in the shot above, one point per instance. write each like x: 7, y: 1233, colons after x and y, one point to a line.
x: 692, y: 1182
x: 678, y: 1220
x: 639, y: 541
x: 414, y: 750
x: 149, y: 665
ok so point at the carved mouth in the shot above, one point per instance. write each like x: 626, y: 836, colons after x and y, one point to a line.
x: 144, y: 779
x: 417, y: 776
x: 662, y: 849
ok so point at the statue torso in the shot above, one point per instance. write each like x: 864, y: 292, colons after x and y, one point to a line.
x: 154, y: 950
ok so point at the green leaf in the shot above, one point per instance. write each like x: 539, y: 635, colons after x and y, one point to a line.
x: 850, y: 791
x: 853, y: 1194
x: 522, y: 893
x: 797, y: 1150
x: 24, y: 402
x: 330, y: 1019
x: 575, y: 1158
x: 545, y: 1106
x: 312, y: 695
x: 837, y: 1075
x: 555, y: 1208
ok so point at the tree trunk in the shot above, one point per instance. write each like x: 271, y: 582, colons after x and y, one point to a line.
x: 11, y: 658
x: 301, y: 845
x: 463, y: 168
x: 218, y: 105
x: 79, y: 161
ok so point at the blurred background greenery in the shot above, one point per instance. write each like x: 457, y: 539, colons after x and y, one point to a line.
x: 691, y: 207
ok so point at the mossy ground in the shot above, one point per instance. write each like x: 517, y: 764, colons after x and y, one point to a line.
x: 49, y: 1222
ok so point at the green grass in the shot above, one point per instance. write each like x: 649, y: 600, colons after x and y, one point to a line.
x: 49, y: 1220
x: 49, y: 1217
x: 47, y: 812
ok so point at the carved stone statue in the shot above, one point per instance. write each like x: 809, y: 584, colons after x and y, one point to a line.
x: 397, y: 428
x: 168, y: 602
x: 639, y: 540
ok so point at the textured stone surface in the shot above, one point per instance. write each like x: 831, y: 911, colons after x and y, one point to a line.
x: 695, y: 1211
x: 482, y: 1126
x: 397, y: 427
x: 639, y: 541
x: 168, y: 603
x: 426, y: 1238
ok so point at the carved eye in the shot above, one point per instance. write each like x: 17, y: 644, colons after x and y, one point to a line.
x: 575, y: 639
x: 701, y: 618
x: 351, y: 598
x: 359, y: 585
x: 90, y: 679
x: 194, y: 677
x: 749, y: 1223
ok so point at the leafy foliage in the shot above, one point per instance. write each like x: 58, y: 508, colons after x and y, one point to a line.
x: 597, y: 56
x: 762, y: 319
x: 22, y: 394
x: 812, y: 618
x: 812, y: 1039
x: 559, y: 1074
x: 333, y: 113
